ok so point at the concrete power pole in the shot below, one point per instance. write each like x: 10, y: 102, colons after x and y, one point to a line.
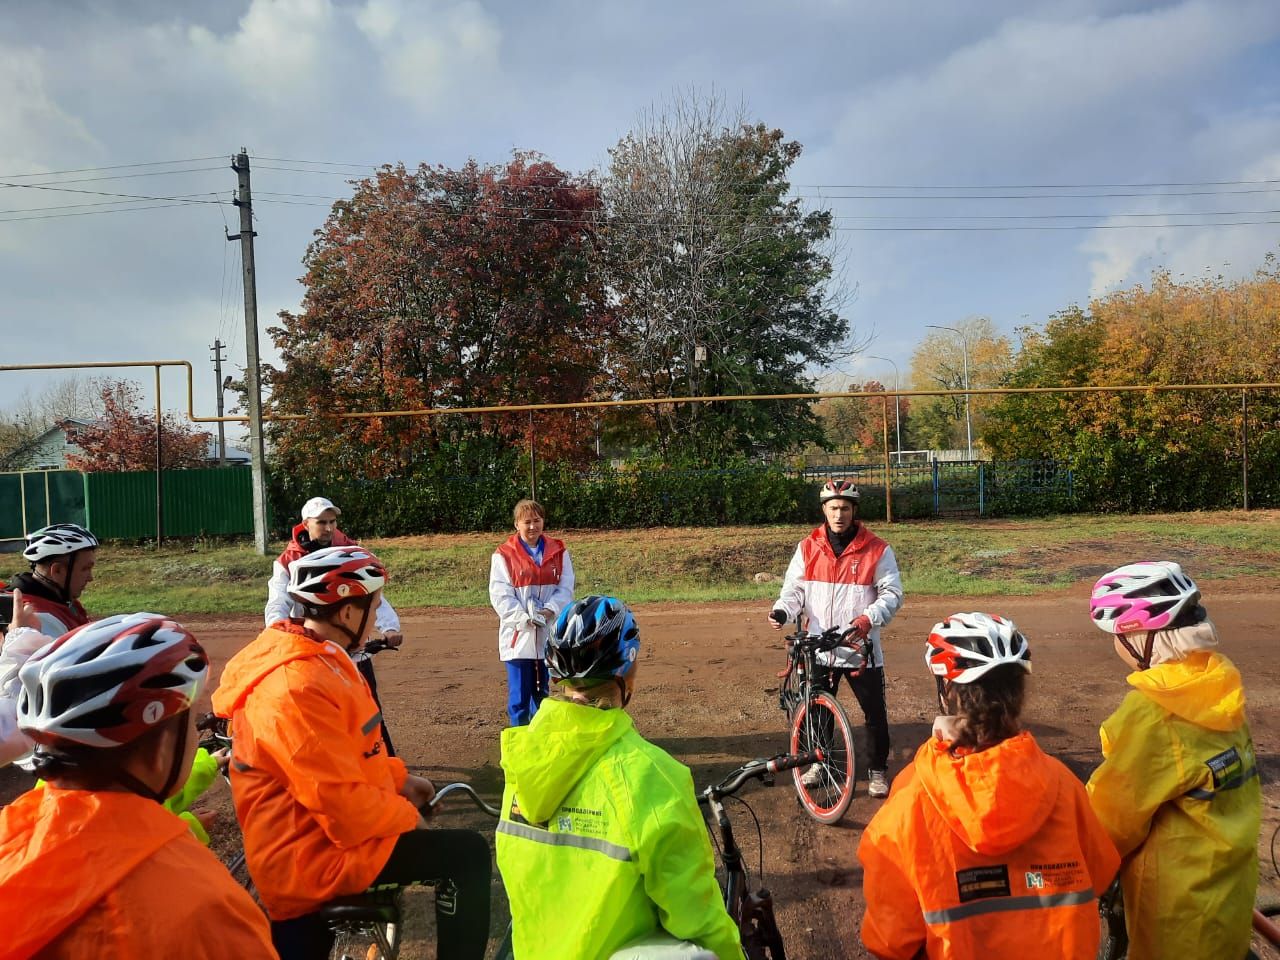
x: 252, y: 375
x: 217, y: 377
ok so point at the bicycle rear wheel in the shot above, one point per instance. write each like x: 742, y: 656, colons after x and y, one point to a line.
x: 820, y: 724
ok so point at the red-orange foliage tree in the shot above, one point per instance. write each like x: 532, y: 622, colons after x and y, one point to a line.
x: 124, y: 438
x: 441, y: 288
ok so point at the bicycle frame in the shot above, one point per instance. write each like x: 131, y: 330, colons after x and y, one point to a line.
x: 753, y: 912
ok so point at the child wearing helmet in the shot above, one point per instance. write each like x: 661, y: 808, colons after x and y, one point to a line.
x: 601, y: 843
x: 109, y: 708
x: 987, y: 846
x: 530, y: 581
x: 1178, y: 786
x: 325, y: 812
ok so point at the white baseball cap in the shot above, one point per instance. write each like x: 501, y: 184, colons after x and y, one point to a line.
x: 316, y: 506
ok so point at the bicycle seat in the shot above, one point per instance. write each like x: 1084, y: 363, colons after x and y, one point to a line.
x: 372, y: 906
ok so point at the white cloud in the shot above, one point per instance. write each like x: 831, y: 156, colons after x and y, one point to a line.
x: 431, y: 54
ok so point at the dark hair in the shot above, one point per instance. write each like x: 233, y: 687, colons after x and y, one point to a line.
x: 990, y: 707
x: 328, y: 612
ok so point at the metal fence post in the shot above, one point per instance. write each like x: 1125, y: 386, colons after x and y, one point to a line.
x: 1244, y: 444
x: 937, y: 500
x: 981, y: 490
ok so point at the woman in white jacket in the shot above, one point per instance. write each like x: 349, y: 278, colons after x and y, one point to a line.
x: 530, y: 582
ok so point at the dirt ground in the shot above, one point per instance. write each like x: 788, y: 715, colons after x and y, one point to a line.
x: 707, y: 693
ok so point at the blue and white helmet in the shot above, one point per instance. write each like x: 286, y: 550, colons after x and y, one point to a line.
x: 595, y: 638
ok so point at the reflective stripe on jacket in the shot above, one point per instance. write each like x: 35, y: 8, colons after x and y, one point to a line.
x: 995, y: 854
x: 1178, y: 791
x: 114, y: 876
x: 316, y: 795
x: 601, y: 840
x: 514, y: 581
x: 834, y: 591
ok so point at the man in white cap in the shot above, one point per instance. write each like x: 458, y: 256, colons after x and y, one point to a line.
x: 319, y: 529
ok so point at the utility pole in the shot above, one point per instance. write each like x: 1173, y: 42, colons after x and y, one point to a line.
x: 252, y: 375
x: 217, y: 377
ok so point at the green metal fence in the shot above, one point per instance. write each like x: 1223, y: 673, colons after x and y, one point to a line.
x: 122, y: 506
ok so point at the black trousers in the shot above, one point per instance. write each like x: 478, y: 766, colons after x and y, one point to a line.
x: 457, y: 861
x: 868, y: 688
x: 365, y: 666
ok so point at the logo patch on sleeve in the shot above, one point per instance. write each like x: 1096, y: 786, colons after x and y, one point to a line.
x: 979, y: 883
x: 1225, y: 767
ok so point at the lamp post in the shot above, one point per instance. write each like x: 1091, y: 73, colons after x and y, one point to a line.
x: 897, y: 418
x: 968, y: 422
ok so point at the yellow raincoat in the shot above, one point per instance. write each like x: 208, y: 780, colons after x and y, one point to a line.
x: 1178, y: 792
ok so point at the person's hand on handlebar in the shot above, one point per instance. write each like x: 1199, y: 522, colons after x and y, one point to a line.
x: 419, y: 791
x: 860, y: 628
x: 393, y: 639
x: 777, y: 618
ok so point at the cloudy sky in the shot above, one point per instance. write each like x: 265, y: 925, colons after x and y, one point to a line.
x: 917, y: 121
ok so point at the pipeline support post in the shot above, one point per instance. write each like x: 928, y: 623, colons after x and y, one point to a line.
x: 888, y: 467
x: 1244, y: 445
x: 159, y: 463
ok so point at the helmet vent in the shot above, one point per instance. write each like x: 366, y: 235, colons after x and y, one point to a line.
x: 91, y: 654
x: 65, y: 696
x: 112, y: 715
x: 162, y: 682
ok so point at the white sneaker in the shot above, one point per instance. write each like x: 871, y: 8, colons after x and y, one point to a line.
x: 813, y: 776
x: 878, y: 785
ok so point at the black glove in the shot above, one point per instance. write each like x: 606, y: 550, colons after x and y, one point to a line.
x: 778, y: 616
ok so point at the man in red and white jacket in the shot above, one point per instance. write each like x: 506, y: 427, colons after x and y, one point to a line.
x: 62, y: 558
x: 844, y: 575
x: 319, y: 529
x: 530, y: 582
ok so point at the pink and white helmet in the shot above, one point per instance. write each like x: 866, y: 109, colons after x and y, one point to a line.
x: 108, y: 682
x: 1142, y: 596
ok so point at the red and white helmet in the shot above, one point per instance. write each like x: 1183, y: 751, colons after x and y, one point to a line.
x: 839, y: 490
x: 966, y: 645
x: 1142, y: 596
x: 335, y: 574
x: 108, y: 682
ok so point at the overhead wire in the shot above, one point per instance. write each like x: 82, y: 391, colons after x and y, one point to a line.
x: 118, y: 166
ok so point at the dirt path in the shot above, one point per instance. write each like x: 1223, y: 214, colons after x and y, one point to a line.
x: 707, y: 693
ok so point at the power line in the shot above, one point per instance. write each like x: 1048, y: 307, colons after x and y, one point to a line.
x: 118, y: 166
x: 90, y: 213
x: 122, y: 176
x: 187, y: 198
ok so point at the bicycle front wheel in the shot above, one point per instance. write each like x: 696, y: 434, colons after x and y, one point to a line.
x: 826, y: 788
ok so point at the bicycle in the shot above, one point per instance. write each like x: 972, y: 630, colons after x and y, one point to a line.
x: 368, y: 925
x: 819, y: 724
x: 752, y: 912
x: 1114, y: 944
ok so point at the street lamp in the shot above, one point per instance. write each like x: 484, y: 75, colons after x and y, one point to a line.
x: 968, y: 422
x: 897, y: 385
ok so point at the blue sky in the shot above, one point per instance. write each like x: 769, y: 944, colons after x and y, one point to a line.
x: 929, y: 94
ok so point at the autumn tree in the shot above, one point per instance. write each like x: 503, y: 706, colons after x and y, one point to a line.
x: 722, y: 284
x: 123, y: 436
x: 939, y: 362
x: 441, y: 287
x: 856, y: 424
x: 1158, y: 450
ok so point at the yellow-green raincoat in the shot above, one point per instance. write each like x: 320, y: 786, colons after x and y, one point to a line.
x: 1178, y: 792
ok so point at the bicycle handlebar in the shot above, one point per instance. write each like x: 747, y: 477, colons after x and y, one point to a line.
x: 827, y: 640
x: 467, y: 790
x: 377, y: 645
x: 757, y: 770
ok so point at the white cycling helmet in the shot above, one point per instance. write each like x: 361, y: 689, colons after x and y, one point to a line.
x: 1142, y: 596
x: 57, y: 540
x: 965, y: 646
x: 108, y: 682
x: 335, y: 574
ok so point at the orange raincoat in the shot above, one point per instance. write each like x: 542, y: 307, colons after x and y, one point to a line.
x: 88, y: 875
x: 995, y: 854
x: 317, y: 797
